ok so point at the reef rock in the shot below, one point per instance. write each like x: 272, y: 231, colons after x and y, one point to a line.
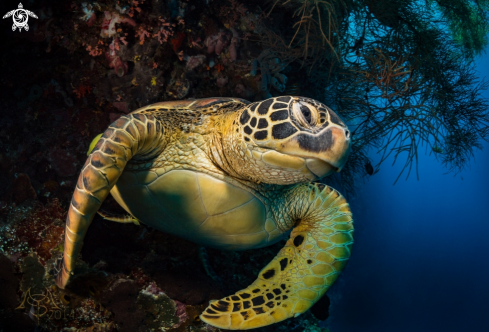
x: 63, y: 162
x: 22, y: 189
x: 120, y: 299
x: 10, y: 319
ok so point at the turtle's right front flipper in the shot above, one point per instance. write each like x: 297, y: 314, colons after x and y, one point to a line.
x: 140, y: 135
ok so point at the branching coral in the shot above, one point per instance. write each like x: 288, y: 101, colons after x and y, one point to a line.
x: 142, y: 34
x: 391, y: 77
x: 165, y: 30
x: 401, y: 112
x: 317, y: 30
x: 94, y: 51
x: 134, y: 7
x: 394, y: 71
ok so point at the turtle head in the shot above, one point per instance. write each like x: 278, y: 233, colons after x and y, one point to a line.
x: 290, y: 139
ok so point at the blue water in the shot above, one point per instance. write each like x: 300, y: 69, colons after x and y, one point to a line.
x: 421, y: 258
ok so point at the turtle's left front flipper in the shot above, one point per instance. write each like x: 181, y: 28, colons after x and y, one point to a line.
x: 303, y: 270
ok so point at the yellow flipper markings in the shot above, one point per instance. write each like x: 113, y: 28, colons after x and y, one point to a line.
x: 93, y: 143
x: 303, y: 270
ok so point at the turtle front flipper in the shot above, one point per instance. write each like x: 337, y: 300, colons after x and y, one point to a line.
x: 138, y: 136
x: 303, y: 270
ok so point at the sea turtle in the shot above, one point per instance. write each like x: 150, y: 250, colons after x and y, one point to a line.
x: 229, y: 174
x: 20, y: 17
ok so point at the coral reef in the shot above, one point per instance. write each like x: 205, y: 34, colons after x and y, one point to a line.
x: 121, y: 299
x: 159, y: 309
x: 141, y: 40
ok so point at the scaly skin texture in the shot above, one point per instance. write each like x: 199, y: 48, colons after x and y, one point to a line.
x: 129, y: 136
x: 302, y: 271
x: 139, y: 137
x: 271, y: 150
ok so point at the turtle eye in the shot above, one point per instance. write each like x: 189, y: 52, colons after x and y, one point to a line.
x: 306, y: 114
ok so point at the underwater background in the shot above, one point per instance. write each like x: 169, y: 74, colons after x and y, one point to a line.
x: 420, y: 259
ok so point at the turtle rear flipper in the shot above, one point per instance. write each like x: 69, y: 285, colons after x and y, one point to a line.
x: 129, y: 136
x: 121, y: 218
x: 14, y: 27
x: 26, y: 27
x: 303, y: 270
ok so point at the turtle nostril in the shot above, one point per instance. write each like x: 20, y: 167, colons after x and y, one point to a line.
x: 347, y: 134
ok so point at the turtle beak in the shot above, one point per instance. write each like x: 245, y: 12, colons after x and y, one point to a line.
x: 320, y: 168
x: 325, y: 152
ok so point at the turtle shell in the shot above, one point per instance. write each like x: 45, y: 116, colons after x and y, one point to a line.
x: 195, y: 104
x: 193, y: 204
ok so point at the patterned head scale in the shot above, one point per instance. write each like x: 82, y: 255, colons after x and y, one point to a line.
x: 300, y: 127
